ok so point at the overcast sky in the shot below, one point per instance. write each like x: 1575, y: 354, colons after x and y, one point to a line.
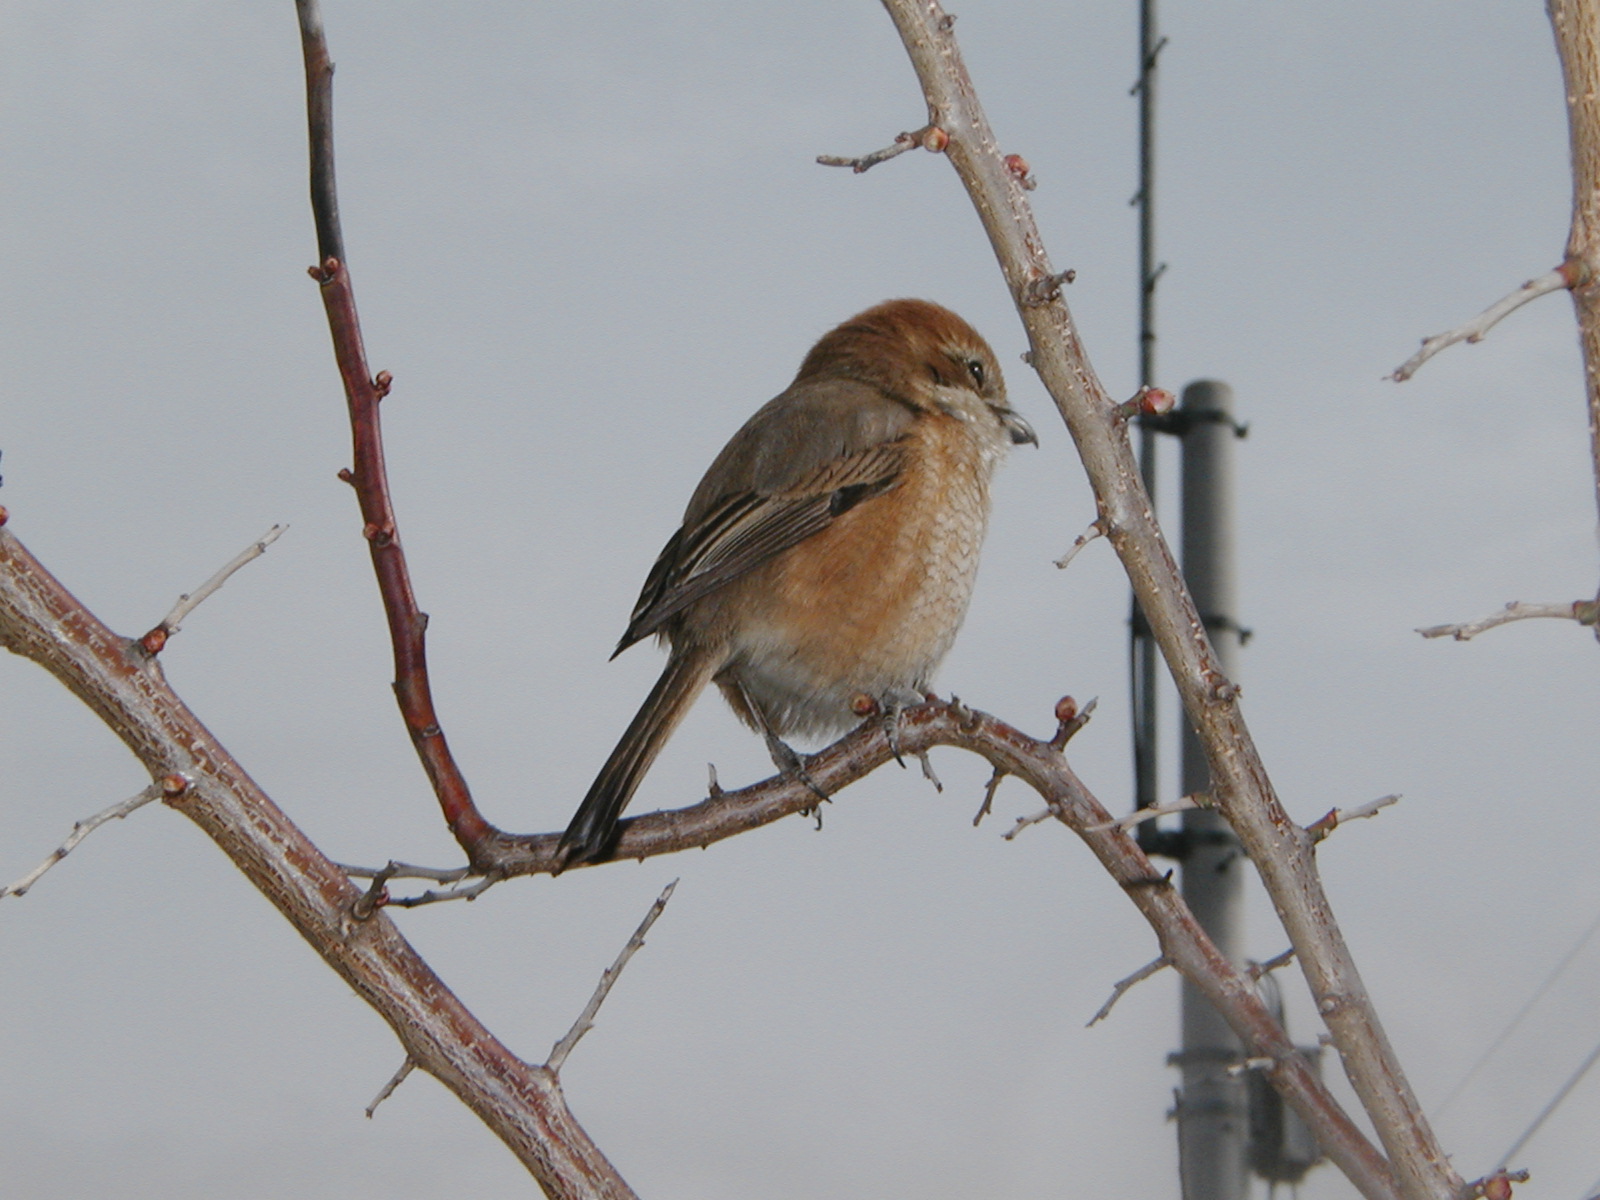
x: 588, y: 240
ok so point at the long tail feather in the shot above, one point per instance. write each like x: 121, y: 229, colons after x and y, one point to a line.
x: 593, y: 829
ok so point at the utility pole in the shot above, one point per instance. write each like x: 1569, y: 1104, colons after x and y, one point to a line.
x: 1214, y: 1152
x: 1213, y: 1107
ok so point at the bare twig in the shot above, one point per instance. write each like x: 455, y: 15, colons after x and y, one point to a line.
x: 1335, y: 817
x: 1584, y: 612
x: 395, y: 1081
x: 1122, y: 985
x: 989, y: 789
x: 1277, y: 961
x: 397, y: 870
x: 468, y: 892
x: 1033, y: 818
x: 400, y: 870
x: 1140, y: 815
x: 1095, y: 530
x: 375, y: 897
x: 929, y: 137
x: 187, y: 603
x: 585, y: 1021
x: 1475, y: 329
x: 81, y: 830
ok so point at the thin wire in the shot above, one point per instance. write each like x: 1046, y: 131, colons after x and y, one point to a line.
x: 1566, y: 1088
x: 1516, y: 1021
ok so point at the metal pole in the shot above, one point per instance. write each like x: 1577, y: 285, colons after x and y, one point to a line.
x: 1213, y: 1118
x: 1144, y: 658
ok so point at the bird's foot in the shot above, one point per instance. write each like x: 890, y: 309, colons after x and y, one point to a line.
x: 792, y: 765
x: 891, y: 705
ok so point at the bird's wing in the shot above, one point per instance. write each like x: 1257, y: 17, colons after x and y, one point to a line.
x: 807, y: 457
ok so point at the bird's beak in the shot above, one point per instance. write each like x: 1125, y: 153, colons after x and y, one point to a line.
x: 1019, y: 429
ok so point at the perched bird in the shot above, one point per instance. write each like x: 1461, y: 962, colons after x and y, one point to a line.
x: 830, y: 550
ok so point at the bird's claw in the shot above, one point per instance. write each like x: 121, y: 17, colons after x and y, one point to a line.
x: 792, y: 766
x: 892, y: 704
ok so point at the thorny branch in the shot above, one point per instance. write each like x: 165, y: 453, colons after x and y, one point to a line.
x: 523, y: 1103
x: 120, y: 682
x: 1240, y: 786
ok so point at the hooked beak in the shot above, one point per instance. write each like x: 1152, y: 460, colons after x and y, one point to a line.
x: 1019, y: 429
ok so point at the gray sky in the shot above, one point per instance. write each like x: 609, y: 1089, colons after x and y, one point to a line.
x: 588, y: 240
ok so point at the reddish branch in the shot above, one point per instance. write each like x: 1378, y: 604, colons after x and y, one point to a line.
x: 368, y: 476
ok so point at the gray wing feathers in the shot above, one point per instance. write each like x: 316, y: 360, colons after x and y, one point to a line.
x: 799, y: 462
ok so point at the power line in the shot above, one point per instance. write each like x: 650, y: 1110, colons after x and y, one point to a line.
x: 1516, y: 1021
x: 1566, y: 1089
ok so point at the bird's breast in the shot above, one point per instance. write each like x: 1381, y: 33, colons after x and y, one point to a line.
x: 872, y: 603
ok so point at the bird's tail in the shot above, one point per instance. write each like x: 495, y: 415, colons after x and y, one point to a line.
x: 593, y: 829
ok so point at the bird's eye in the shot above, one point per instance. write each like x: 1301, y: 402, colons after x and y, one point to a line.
x: 975, y: 369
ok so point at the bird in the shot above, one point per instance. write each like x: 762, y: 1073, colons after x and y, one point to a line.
x: 829, y: 551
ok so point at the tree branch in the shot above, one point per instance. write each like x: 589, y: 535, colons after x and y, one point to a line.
x: 1576, y: 25
x: 1475, y: 329
x: 1243, y: 793
x: 1584, y: 612
x: 123, y: 685
x: 157, y: 638
x: 523, y: 1103
x: 82, y: 829
x: 608, y: 977
x: 1121, y: 987
x: 368, y: 475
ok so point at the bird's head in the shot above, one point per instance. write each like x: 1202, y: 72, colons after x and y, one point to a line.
x: 924, y: 356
